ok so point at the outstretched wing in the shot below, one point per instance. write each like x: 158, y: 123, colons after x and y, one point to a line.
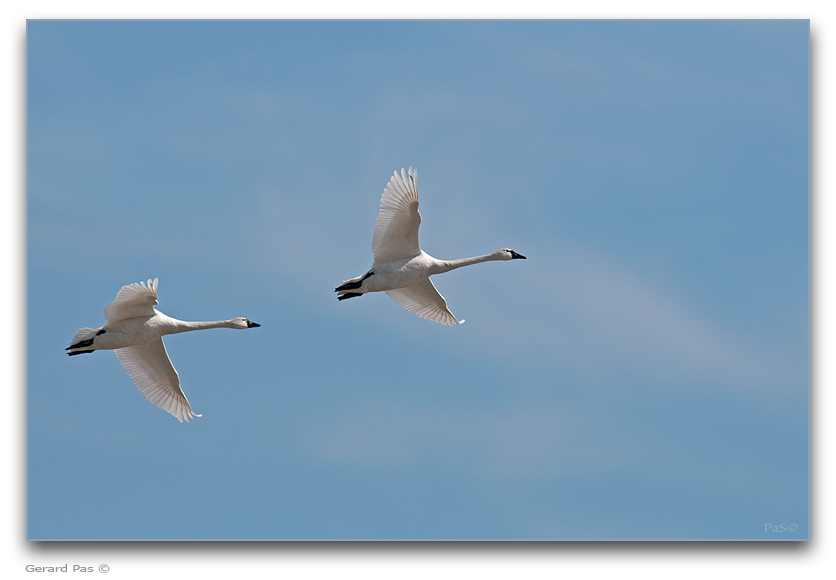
x: 424, y: 300
x: 396, y: 230
x: 151, y: 370
x: 133, y: 301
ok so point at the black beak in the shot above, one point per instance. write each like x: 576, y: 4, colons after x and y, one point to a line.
x: 516, y: 256
x: 251, y: 324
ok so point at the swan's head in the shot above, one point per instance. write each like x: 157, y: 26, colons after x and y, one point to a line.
x: 508, y: 254
x: 243, y: 323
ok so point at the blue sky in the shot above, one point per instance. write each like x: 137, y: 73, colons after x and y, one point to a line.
x: 643, y: 375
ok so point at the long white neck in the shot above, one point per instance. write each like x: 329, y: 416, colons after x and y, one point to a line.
x: 447, y: 265
x: 175, y: 326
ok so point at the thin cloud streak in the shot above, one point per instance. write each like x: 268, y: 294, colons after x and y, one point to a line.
x: 521, y: 442
x: 604, y: 320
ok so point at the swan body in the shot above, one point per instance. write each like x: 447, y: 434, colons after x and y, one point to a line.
x: 401, y: 268
x: 134, y: 331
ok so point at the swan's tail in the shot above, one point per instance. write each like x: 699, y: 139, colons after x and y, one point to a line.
x: 352, y: 284
x: 83, y: 340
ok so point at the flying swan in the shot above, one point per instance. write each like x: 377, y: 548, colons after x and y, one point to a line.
x: 401, y: 268
x: 134, y: 331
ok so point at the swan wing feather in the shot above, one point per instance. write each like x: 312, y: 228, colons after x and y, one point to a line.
x: 153, y: 374
x: 133, y: 301
x: 423, y: 299
x: 396, y: 230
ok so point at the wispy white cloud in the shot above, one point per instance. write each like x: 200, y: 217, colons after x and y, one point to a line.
x: 543, y: 442
x: 606, y: 320
x: 538, y: 441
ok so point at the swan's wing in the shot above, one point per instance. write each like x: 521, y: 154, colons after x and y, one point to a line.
x: 396, y: 231
x: 150, y: 369
x: 133, y: 301
x: 424, y: 300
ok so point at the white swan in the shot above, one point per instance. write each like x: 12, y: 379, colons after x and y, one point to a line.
x: 401, y: 268
x: 134, y: 330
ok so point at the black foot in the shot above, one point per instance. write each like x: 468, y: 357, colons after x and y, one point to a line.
x: 349, y: 295
x: 80, y: 352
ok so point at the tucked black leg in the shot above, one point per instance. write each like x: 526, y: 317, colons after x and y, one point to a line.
x: 349, y: 295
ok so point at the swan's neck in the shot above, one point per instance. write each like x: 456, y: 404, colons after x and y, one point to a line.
x: 175, y: 326
x: 447, y: 265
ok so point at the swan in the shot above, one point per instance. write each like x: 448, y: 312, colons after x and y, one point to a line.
x: 401, y: 268
x: 134, y: 331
